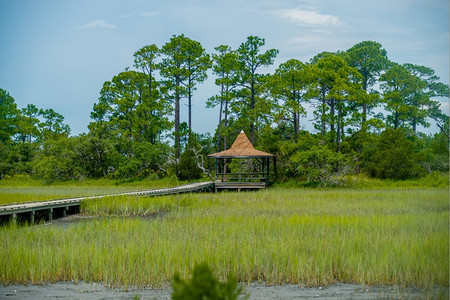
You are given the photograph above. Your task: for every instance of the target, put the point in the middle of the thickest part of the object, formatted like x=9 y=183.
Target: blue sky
x=58 y=53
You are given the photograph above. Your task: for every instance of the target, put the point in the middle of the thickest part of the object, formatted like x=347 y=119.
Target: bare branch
x=200 y=160
x=169 y=160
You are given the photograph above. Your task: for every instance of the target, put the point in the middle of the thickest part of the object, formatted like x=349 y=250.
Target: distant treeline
x=136 y=130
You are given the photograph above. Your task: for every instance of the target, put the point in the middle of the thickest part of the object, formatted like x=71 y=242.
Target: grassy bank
x=311 y=237
x=361 y=181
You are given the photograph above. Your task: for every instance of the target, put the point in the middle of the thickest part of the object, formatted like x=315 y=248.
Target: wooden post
x=32 y=217
x=224 y=169
x=14 y=218
x=275 y=167
x=217 y=168
x=50 y=214
x=65 y=209
x=263 y=169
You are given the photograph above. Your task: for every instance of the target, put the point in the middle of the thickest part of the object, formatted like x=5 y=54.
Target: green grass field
x=394 y=236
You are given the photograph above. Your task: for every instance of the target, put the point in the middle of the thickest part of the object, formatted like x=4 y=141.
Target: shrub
x=393 y=157
x=310 y=158
x=187 y=168
x=56 y=161
x=203 y=285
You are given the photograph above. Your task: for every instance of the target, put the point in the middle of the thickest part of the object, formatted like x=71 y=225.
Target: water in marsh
x=339 y=291
x=77 y=218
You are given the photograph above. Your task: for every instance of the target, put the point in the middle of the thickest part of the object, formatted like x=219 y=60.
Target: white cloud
x=445 y=107
x=307 y=17
x=99 y=23
x=149 y=14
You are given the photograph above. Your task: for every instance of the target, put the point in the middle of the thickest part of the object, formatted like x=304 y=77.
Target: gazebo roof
x=241 y=148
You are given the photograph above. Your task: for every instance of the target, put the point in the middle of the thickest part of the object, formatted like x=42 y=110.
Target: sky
x=58 y=53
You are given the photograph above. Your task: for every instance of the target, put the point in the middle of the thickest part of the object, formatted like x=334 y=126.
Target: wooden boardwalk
x=60 y=207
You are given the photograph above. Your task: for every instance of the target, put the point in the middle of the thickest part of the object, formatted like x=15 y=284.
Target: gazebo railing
x=242 y=177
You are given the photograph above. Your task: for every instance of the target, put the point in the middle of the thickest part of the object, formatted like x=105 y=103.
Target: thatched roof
x=241 y=148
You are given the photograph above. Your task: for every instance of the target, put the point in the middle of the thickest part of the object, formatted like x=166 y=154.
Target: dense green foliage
x=187 y=168
x=393 y=157
x=203 y=285
x=366 y=113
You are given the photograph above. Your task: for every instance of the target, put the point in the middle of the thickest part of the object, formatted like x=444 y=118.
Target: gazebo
x=242 y=166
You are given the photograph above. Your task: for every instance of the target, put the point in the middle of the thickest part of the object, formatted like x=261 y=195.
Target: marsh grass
x=300 y=236
x=361 y=181
x=133 y=205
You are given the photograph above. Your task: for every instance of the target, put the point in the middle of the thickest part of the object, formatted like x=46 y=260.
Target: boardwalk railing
x=242 y=177
x=61 y=207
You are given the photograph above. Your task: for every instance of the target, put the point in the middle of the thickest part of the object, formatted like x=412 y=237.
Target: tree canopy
x=367 y=113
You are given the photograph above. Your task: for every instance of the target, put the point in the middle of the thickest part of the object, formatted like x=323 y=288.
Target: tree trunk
x=252 y=108
x=225 y=126
x=296 y=121
x=414 y=118
x=364 y=116
x=297 y=118
x=396 y=120
x=177 y=118
x=364 y=113
x=332 y=113
x=190 y=105
x=225 y=123
x=323 y=114
x=152 y=135
x=338 y=138
x=150 y=84
x=219 y=131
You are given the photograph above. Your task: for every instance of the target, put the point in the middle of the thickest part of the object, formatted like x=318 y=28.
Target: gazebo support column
x=217 y=169
x=275 y=167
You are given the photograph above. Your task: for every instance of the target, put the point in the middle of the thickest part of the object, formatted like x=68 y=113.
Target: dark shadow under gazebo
x=242 y=166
